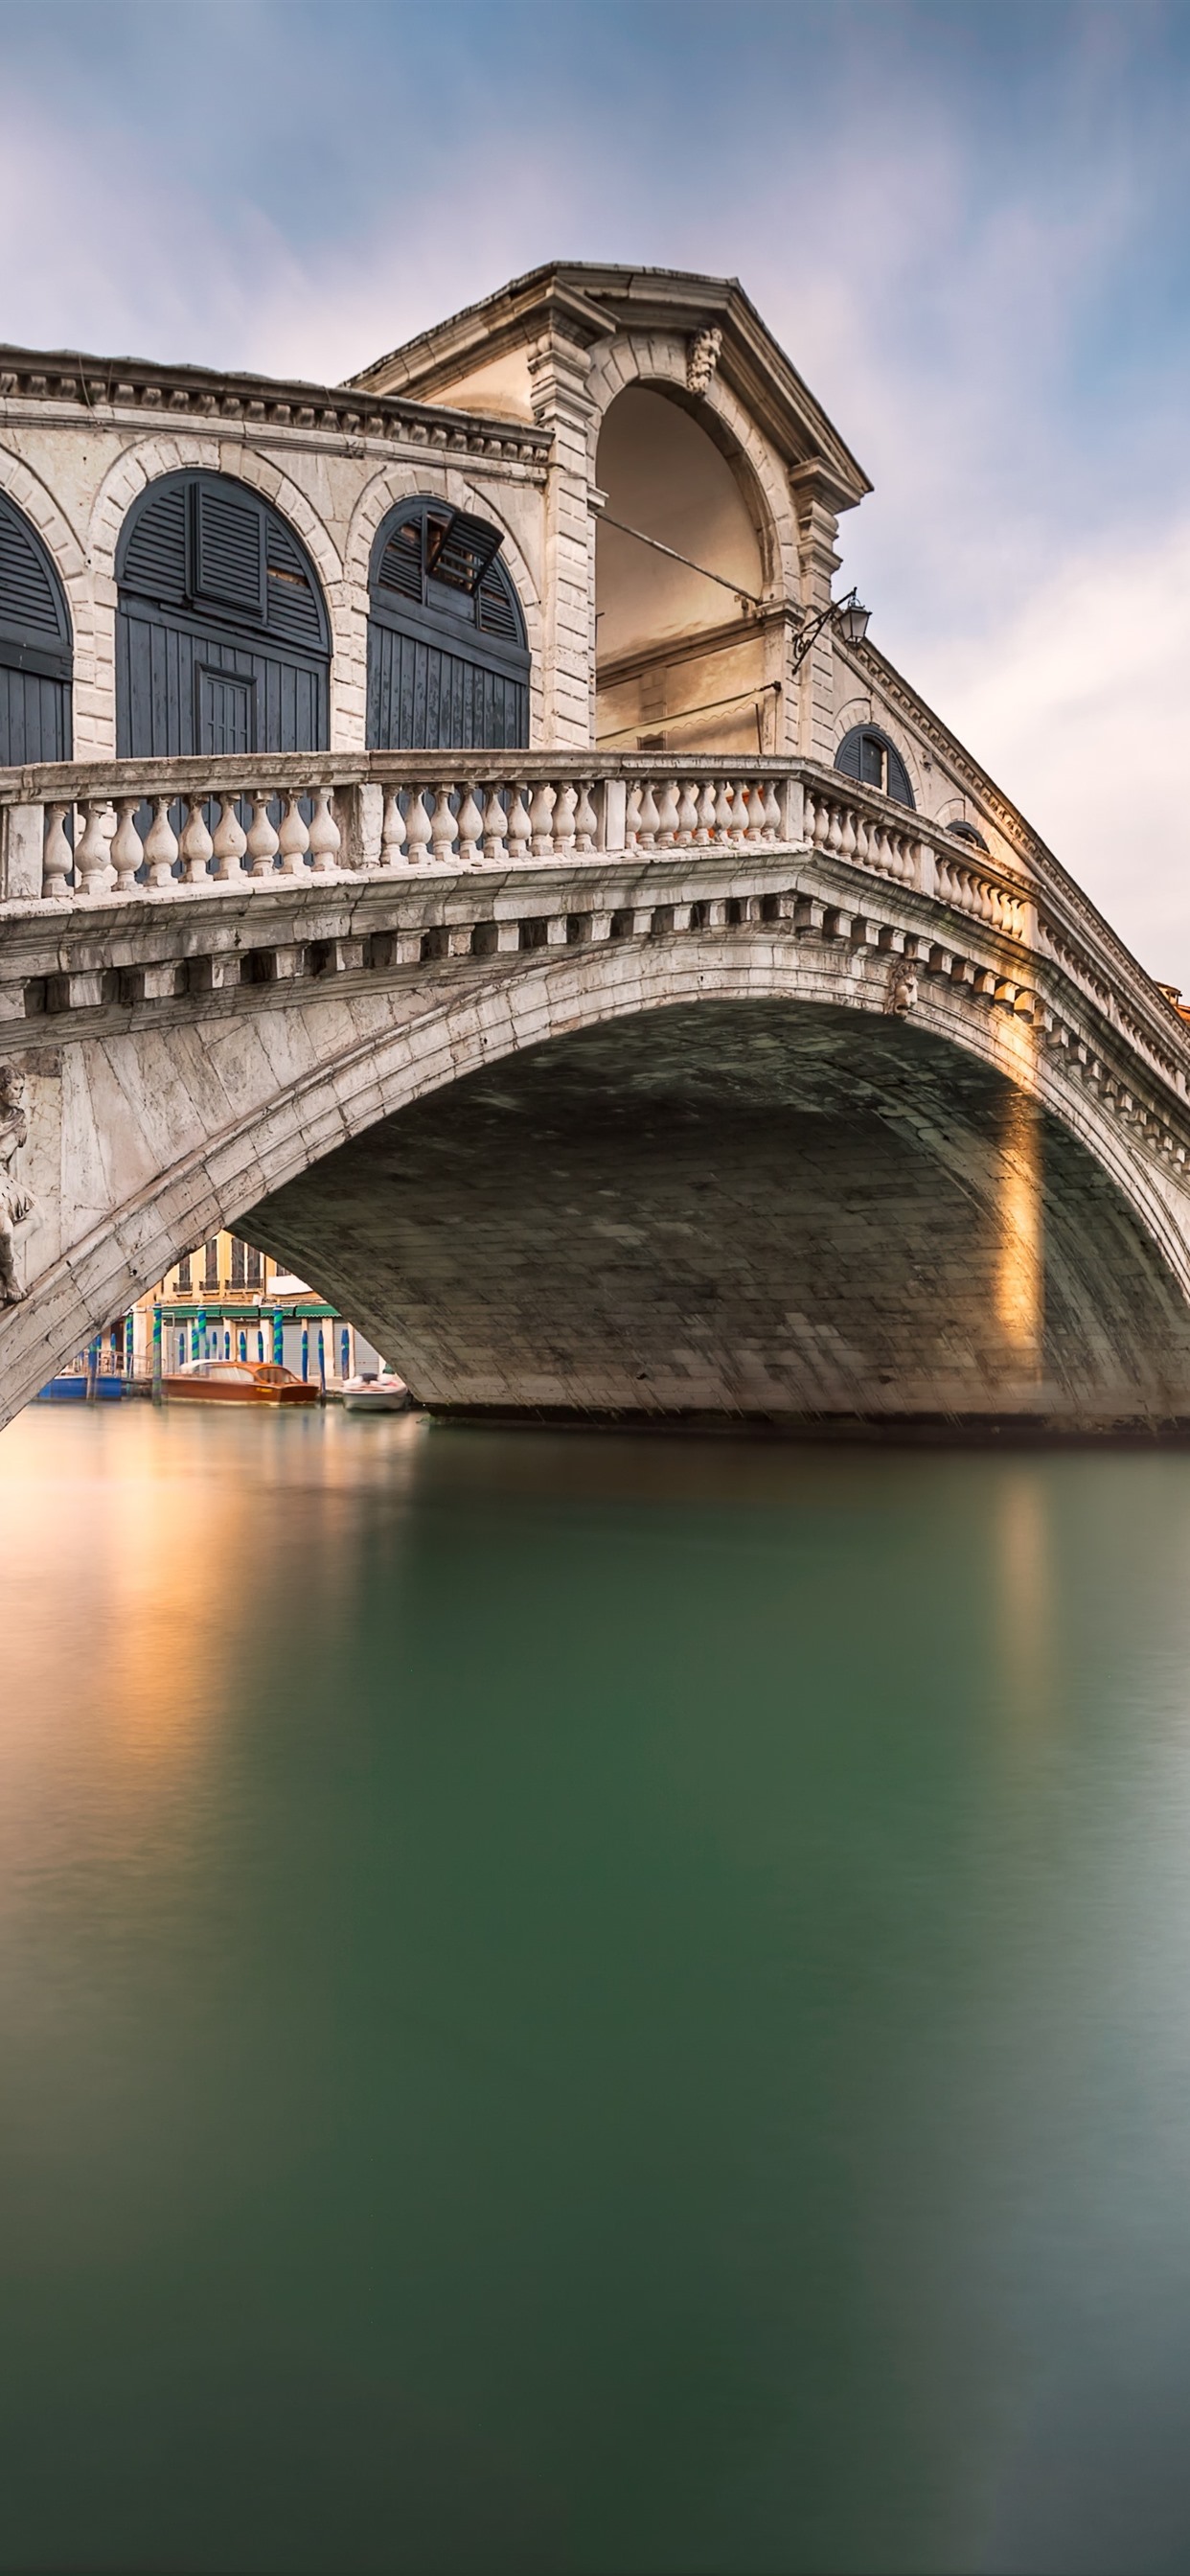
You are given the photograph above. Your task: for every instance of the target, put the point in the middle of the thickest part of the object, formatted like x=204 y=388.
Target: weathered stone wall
x=742 y=1210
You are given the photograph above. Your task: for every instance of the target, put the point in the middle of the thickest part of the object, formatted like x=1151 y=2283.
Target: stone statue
x=18 y=1206
x=702 y=358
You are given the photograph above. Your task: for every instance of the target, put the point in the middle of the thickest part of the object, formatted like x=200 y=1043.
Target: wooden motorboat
x=237 y=1382
x=375 y=1395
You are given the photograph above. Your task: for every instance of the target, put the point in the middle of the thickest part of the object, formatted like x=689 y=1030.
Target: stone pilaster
x=559 y=372
x=813 y=691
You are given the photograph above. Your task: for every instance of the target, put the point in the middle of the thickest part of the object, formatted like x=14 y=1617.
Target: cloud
x=967 y=225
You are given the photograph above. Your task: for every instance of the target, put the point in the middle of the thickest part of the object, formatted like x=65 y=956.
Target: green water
x=590 y=2004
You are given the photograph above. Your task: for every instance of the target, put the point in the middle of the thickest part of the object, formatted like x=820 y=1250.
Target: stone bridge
x=595 y=1088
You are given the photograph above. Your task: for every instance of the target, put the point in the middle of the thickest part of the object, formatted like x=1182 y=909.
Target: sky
x=968 y=222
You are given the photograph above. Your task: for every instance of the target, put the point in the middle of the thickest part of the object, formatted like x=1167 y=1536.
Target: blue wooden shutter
x=229 y=552
x=898 y=778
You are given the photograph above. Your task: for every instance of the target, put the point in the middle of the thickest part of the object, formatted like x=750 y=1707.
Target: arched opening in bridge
x=36 y=662
x=222 y=638
x=742 y=1210
x=682 y=561
x=448 y=657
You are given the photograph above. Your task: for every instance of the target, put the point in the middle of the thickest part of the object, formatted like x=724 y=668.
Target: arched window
x=964 y=831
x=222 y=642
x=35 y=656
x=448 y=660
x=867 y=754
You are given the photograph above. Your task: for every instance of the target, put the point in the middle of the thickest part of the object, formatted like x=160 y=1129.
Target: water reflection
x=591 y=2004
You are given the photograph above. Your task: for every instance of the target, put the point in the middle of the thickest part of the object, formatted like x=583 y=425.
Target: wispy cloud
x=966 y=222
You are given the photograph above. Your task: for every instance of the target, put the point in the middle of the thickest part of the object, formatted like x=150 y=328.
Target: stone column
x=561 y=402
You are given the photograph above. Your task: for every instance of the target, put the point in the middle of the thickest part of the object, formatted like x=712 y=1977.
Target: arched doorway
x=36 y=662
x=222 y=641
x=680 y=576
x=448 y=657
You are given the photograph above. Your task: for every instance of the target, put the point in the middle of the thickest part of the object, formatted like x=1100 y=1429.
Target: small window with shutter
x=867 y=754
x=228 y=549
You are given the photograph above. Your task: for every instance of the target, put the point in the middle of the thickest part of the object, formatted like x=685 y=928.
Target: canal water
x=590 y=2003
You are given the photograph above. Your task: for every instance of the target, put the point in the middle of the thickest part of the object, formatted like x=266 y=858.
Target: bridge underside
x=769 y=1211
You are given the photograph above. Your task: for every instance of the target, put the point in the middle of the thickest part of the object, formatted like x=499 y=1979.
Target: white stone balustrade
x=125 y=838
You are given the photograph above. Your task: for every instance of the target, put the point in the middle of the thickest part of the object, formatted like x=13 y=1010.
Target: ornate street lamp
x=847 y=614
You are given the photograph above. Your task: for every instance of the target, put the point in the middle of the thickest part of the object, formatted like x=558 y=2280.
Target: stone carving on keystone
x=902 y=990
x=703 y=360
x=18 y=1207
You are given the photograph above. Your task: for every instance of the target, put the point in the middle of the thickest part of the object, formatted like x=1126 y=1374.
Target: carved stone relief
x=702 y=358
x=18 y=1207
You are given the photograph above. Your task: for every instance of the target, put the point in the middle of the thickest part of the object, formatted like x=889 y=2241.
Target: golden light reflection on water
x=144 y=1558
x=1024 y=1598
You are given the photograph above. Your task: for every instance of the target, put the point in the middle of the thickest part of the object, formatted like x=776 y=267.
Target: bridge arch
x=695 y=550
x=245 y=1135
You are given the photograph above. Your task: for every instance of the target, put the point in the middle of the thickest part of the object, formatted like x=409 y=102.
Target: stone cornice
x=107 y=390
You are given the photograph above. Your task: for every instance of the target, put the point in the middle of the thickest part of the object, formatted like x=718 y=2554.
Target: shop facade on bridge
x=598 y=509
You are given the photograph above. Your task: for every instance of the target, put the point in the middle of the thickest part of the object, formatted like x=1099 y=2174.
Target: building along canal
x=590 y=2003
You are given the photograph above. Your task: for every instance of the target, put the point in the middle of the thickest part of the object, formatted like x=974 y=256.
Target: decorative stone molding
x=111 y=389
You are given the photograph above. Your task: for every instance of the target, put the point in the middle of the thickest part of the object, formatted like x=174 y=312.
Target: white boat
x=375 y=1394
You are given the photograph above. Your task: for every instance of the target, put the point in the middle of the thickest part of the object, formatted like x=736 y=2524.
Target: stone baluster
x=648 y=817
x=392 y=829
x=723 y=811
x=565 y=803
x=470 y=828
x=518 y=825
x=755 y=812
x=541 y=808
x=704 y=830
x=262 y=844
x=92 y=859
x=418 y=829
x=819 y=813
x=127 y=846
x=442 y=826
x=325 y=837
x=161 y=848
x=57 y=858
x=847 y=842
x=772 y=813
x=739 y=813
x=863 y=840
x=586 y=821
x=196 y=845
x=632 y=815
x=293 y=838
x=493 y=827
x=229 y=843
x=667 y=815
x=834 y=831
x=687 y=829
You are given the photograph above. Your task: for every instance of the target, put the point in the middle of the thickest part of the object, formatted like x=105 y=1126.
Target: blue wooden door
x=222 y=639
x=448 y=661
x=35 y=647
